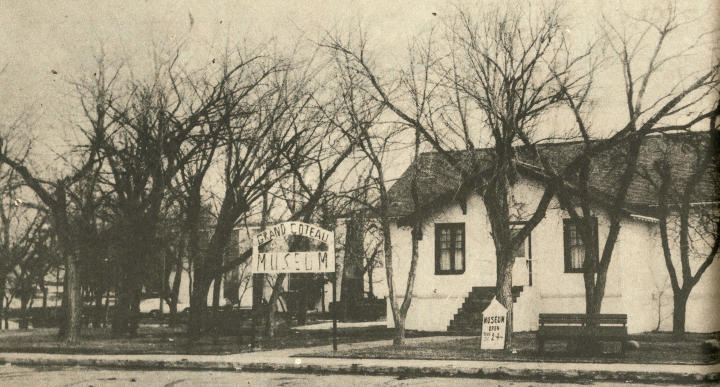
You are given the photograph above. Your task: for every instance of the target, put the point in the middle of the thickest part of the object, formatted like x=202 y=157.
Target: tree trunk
x=217 y=283
x=371 y=291
x=62 y=331
x=589 y=281
x=121 y=314
x=598 y=293
x=598 y=290
x=399 y=338
x=99 y=310
x=271 y=307
x=135 y=297
x=119 y=318
x=198 y=304
x=258 y=309
x=306 y=287
x=44 y=290
x=107 y=307
x=137 y=240
x=590 y=305
x=352 y=288
x=503 y=285
x=2 y=301
x=398 y=316
x=207 y=264
x=175 y=293
x=7 y=307
x=24 y=321
x=495 y=199
x=74 y=310
x=679 y=308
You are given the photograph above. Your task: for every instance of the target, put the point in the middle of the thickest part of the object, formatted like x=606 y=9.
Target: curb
x=545 y=373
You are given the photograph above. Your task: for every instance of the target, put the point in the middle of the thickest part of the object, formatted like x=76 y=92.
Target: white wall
x=635 y=278
x=436 y=298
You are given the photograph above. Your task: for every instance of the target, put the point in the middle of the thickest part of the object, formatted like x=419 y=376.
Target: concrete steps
x=468 y=319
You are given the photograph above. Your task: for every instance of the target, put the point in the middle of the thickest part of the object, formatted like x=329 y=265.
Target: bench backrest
x=607 y=319
x=562 y=318
x=582 y=319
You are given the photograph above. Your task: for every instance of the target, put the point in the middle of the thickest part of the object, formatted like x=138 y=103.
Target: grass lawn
x=165 y=340
x=654 y=348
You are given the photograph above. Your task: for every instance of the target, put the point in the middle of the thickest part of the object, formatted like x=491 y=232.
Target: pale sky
x=41 y=38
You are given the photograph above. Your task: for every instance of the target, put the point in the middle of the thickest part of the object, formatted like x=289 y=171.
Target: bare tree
x=53 y=194
x=263 y=131
x=174 y=241
x=317 y=159
x=310 y=154
x=13 y=240
x=688 y=224
x=489 y=80
x=153 y=130
x=652 y=107
x=358 y=116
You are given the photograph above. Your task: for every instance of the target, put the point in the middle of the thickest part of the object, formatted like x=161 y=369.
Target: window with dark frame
x=449 y=248
x=575 y=250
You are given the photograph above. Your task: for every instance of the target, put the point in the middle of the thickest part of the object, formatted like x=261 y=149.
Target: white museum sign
x=494 y=320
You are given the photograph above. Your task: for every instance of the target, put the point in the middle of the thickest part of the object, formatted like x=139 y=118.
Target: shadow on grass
x=655 y=348
x=166 y=340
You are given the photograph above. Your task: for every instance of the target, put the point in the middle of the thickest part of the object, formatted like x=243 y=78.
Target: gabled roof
x=439 y=182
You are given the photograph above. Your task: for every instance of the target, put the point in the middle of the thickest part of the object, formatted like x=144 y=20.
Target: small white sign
x=494 y=321
x=294 y=262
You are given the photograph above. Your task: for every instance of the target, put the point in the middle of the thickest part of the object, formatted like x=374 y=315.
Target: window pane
x=574 y=236
x=444 y=259
x=577 y=257
x=459 y=260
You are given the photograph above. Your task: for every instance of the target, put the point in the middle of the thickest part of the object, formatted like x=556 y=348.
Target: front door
x=522 y=270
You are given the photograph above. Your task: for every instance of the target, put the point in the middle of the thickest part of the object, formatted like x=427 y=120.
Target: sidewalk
x=327 y=325
x=284 y=361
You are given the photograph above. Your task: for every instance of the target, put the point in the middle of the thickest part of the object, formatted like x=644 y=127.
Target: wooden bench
x=582 y=329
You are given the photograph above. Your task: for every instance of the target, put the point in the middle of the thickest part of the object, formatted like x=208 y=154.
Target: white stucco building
x=457 y=256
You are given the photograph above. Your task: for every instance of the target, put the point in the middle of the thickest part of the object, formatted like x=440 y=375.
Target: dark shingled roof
x=439 y=182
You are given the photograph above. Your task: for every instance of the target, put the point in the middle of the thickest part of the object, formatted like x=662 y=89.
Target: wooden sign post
x=274 y=262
